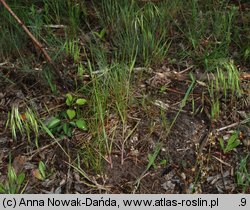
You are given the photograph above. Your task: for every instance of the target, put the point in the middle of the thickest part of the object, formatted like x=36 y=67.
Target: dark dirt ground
x=194 y=161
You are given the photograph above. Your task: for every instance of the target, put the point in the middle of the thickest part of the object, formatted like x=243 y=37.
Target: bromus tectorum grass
x=13 y=183
x=225 y=83
x=25 y=123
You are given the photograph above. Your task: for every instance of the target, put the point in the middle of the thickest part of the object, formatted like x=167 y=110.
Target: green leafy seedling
x=163 y=162
x=40 y=173
x=67 y=129
x=232 y=143
x=69 y=99
x=68 y=119
x=71 y=114
x=42 y=169
x=81 y=101
x=81 y=124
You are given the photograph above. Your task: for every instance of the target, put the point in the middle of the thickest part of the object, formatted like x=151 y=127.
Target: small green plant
x=42 y=169
x=40 y=173
x=151 y=162
x=242 y=175
x=231 y=144
x=72 y=49
x=152 y=157
x=100 y=35
x=68 y=119
x=164 y=162
x=14 y=182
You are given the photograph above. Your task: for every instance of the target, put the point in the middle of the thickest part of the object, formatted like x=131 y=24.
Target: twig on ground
x=221 y=161
x=34 y=40
x=233 y=125
x=187 y=69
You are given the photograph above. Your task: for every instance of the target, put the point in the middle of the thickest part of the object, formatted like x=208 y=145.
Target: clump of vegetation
x=68 y=119
x=137 y=30
x=231 y=144
x=243 y=175
x=25 y=123
x=14 y=182
x=224 y=84
x=128 y=58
